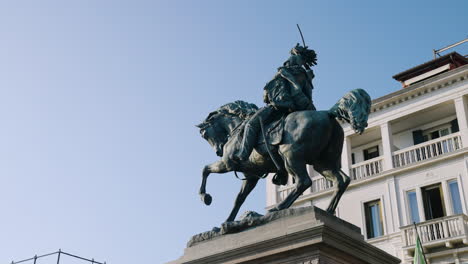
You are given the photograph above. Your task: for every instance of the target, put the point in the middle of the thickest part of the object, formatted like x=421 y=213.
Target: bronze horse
x=309 y=137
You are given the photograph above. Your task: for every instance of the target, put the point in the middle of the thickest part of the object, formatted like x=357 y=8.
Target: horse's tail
x=354 y=108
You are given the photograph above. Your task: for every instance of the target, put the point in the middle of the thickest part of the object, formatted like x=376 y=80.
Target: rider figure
x=290 y=90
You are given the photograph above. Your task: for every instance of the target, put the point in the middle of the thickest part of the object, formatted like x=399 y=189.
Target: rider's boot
x=247 y=144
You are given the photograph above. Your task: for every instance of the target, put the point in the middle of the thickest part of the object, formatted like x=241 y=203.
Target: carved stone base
x=306 y=235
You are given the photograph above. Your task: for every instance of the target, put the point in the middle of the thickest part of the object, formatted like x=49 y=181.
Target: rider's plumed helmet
x=309 y=56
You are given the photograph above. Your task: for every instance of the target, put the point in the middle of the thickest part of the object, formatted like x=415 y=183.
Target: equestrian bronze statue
x=285 y=135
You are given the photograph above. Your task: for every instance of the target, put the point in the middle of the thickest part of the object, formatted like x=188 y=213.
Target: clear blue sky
x=99 y=154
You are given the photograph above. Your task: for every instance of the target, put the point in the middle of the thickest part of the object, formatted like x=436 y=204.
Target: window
x=371 y=153
x=433 y=201
x=413 y=207
x=373 y=214
x=353 y=159
x=420 y=136
x=455 y=196
x=444 y=132
x=437 y=132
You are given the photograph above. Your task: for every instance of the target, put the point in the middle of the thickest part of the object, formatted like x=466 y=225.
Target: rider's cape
x=280 y=92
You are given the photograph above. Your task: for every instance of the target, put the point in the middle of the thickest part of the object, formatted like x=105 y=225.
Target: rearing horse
x=310 y=137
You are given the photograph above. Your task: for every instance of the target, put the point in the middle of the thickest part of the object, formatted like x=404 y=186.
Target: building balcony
x=407 y=156
x=446 y=231
x=318 y=185
x=373 y=167
x=367 y=168
x=424 y=151
x=407 y=139
x=427 y=150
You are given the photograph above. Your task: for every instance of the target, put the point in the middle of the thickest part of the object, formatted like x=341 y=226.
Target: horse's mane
x=354 y=107
x=237 y=108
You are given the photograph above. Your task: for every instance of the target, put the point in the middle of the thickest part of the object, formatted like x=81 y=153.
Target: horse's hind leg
x=216 y=167
x=341 y=180
x=298 y=170
x=247 y=186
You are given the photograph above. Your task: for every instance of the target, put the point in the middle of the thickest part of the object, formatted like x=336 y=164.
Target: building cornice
x=440 y=81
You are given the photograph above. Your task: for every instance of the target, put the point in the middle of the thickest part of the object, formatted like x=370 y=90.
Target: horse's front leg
x=247 y=186
x=216 y=167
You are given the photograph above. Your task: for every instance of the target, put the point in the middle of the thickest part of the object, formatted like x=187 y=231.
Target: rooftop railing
x=60 y=259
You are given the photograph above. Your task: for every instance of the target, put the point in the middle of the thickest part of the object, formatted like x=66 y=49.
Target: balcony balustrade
x=446 y=230
x=321 y=184
x=318 y=185
x=283 y=191
x=400 y=158
x=427 y=150
x=367 y=168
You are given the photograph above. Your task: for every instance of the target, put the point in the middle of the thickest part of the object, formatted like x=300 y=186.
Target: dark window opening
x=418 y=137
x=353 y=159
x=371 y=153
x=435 y=134
x=454 y=126
x=433 y=202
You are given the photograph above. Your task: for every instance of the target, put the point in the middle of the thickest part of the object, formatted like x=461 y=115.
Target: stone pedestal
x=298 y=236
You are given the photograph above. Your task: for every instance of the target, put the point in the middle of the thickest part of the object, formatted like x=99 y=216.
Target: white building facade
x=409 y=166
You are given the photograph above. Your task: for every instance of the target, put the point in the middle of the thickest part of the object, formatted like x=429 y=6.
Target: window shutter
x=366 y=154
x=418 y=137
x=454 y=124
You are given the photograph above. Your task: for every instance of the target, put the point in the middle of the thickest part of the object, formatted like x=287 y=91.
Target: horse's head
x=354 y=107
x=221 y=122
x=214 y=131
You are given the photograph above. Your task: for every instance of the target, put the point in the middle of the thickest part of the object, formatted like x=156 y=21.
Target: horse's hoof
x=206 y=198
